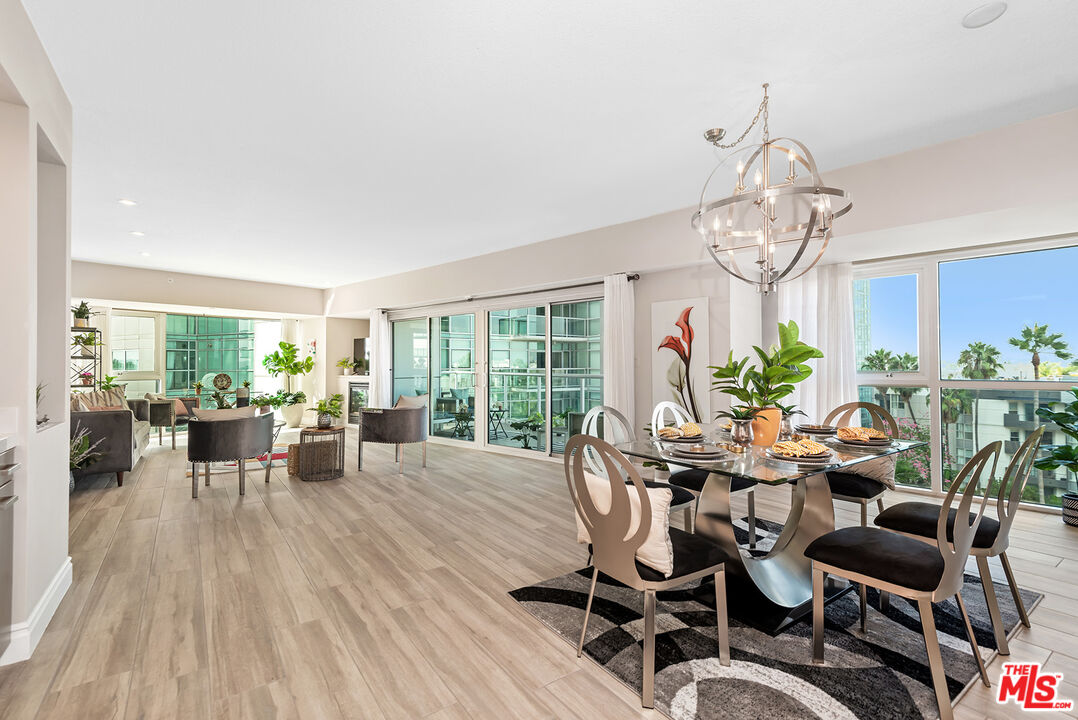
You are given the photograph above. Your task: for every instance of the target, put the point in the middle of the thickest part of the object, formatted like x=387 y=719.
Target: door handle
x=7 y=502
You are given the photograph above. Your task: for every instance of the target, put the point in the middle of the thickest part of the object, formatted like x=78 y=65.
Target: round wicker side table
x=321 y=453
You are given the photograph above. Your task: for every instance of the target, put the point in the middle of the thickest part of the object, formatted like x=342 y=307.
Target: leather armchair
x=396 y=426
x=226 y=440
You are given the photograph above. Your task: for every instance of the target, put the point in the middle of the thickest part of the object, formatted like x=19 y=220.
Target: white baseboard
x=23 y=637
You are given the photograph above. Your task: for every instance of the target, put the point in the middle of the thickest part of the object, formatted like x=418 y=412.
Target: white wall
x=35 y=305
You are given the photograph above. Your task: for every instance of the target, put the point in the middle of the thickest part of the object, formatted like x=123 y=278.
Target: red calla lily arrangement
x=683 y=347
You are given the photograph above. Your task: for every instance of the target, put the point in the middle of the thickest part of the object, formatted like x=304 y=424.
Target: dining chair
x=695 y=557
x=907 y=567
x=693 y=479
x=917 y=520
x=850 y=487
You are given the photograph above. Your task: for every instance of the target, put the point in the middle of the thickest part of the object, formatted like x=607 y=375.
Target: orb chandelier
x=785 y=224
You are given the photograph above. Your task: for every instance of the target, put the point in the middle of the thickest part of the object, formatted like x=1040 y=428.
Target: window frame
x=927 y=269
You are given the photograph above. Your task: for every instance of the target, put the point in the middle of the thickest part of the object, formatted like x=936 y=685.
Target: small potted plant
x=527 y=429
x=198 y=388
x=328 y=409
x=786 y=426
x=244 y=390
x=82 y=453
x=87 y=378
x=346 y=365
x=291 y=405
x=109 y=383
x=81 y=313
x=741 y=417
x=83 y=342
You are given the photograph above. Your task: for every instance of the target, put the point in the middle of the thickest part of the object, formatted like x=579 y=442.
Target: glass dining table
x=772 y=590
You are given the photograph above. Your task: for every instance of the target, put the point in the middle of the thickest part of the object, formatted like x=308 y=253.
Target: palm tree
x=979 y=361
x=886 y=361
x=953 y=404
x=1036 y=340
x=879 y=361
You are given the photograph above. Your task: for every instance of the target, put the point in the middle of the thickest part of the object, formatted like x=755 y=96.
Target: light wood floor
x=375 y=596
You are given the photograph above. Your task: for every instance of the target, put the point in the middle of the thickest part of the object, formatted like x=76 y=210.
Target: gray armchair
x=162 y=414
x=395 y=426
x=224 y=440
x=124 y=436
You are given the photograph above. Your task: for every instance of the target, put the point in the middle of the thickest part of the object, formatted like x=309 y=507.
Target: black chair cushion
x=694 y=480
x=857 y=486
x=692 y=553
x=880 y=554
x=920 y=518
x=681 y=496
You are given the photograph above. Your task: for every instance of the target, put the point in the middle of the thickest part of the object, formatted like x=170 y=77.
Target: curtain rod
x=498 y=295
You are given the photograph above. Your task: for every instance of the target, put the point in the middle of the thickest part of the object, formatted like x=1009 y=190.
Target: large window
x=997 y=337
x=198 y=347
x=132 y=342
x=517 y=402
x=411 y=348
x=576 y=371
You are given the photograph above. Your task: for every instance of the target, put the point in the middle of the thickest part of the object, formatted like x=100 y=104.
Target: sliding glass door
x=517 y=408
x=576 y=371
x=452 y=377
x=411 y=348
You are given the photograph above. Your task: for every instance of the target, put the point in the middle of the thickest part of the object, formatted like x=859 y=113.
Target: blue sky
x=985 y=299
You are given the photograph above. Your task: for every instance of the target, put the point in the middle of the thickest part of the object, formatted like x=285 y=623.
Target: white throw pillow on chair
x=224 y=413
x=657 y=552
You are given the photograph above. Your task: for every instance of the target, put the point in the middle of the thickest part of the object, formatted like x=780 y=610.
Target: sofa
x=122 y=426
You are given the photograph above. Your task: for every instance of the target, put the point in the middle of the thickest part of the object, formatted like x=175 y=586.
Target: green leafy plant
x=527 y=429
x=330 y=406
x=291 y=398
x=246 y=383
x=222 y=402
x=345 y=363
x=82 y=450
x=1065 y=456
x=286 y=362
x=85 y=340
x=790 y=410
x=264 y=400
x=108 y=383
x=783 y=366
x=739 y=412
x=197 y=386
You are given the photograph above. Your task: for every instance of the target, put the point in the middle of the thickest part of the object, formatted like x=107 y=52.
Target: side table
x=321 y=453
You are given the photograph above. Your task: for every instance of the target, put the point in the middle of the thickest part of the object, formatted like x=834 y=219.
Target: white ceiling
x=325 y=143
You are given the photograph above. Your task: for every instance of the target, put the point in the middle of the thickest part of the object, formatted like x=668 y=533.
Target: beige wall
x=35 y=124
x=118 y=284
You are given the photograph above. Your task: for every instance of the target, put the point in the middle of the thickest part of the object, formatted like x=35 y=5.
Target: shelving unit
x=80 y=363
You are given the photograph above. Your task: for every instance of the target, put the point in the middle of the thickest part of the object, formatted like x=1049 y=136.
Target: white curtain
x=619 y=328
x=381 y=360
x=821 y=303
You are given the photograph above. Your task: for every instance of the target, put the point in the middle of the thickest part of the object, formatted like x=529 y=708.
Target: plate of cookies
x=802 y=452
x=870 y=437
x=690 y=432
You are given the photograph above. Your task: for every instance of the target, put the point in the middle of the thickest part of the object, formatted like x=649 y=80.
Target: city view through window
x=1003 y=355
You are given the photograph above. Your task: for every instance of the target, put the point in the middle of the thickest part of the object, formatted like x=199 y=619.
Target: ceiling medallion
x=786 y=223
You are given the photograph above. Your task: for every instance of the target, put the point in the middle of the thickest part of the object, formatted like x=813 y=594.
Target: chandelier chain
x=760 y=112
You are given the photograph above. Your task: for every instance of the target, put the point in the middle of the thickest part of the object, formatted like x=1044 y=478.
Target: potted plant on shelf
x=82 y=453
x=83 y=342
x=286 y=362
x=87 y=378
x=198 y=388
x=1064 y=456
x=328 y=409
x=244 y=390
x=346 y=365
x=81 y=314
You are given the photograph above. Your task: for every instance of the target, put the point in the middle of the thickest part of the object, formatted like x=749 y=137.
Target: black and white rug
x=884 y=675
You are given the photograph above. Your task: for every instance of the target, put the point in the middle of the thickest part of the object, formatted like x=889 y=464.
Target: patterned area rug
x=883 y=675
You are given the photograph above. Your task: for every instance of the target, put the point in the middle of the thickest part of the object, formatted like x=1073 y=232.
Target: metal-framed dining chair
x=695 y=557
x=693 y=479
x=608 y=424
x=910 y=568
x=849 y=487
x=917 y=520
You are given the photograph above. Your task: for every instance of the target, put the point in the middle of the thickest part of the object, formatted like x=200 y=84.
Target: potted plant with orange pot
x=761 y=387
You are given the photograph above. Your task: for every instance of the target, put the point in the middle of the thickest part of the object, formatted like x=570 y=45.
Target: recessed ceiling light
x=138 y=233
x=980 y=16
x=144 y=254
x=125 y=201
